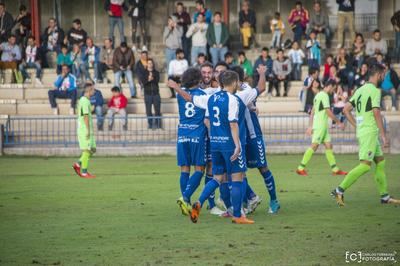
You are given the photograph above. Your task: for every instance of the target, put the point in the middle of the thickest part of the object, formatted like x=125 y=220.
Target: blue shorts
x=221 y=163
x=255 y=153
x=191 y=151
x=208 y=148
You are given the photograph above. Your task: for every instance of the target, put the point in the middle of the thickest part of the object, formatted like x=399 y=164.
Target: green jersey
x=364 y=100
x=84 y=108
x=321 y=103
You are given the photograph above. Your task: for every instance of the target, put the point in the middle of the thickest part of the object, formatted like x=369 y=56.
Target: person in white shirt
x=296 y=55
x=198 y=32
x=177 y=67
x=31 y=60
x=376 y=45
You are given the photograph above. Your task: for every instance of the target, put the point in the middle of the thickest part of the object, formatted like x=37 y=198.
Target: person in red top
x=298 y=20
x=117 y=105
x=114 y=8
x=327 y=66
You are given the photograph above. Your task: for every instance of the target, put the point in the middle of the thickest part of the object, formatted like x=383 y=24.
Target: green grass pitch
x=128 y=216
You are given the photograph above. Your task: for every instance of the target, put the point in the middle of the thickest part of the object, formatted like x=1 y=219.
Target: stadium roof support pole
x=35 y=20
x=225 y=8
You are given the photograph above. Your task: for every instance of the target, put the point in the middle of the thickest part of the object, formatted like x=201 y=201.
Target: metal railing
x=61 y=130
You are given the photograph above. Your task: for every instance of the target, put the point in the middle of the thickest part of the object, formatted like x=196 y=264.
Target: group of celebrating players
x=219 y=133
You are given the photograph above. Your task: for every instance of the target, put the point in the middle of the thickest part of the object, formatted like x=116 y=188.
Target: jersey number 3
x=217 y=122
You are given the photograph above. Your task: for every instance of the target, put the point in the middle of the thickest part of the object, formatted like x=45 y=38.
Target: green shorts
x=86 y=144
x=369 y=147
x=321 y=135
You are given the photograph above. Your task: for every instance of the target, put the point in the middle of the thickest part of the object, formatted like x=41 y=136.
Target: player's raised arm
x=262 y=81
x=347 y=112
x=177 y=88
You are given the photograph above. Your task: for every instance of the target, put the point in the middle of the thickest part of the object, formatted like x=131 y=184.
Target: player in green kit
x=319 y=128
x=366 y=101
x=86 y=139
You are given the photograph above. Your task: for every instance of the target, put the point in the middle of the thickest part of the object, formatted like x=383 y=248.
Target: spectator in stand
x=201 y=9
x=345 y=69
x=278 y=29
x=76 y=35
x=345 y=15
x=264 y=59
x=10 y=54
x=23 y=24
x=198 y=32
x=311 y=92
x=52 y=39
x=395 y=20
x=31 y=60
x=78 y=69
x=6 y=23
x=358 y=50
x=333 y=75
x=229 y=59
x=97 y=101
x=91 y=59
x=296 y=56
x=106 y=60
x=376 y=44
x=176 y=69
x=123 y=62
x=141 y=64
x=172 y=39
x=245 y=63
x=138 y=15
x=65 y=87
x=201 y=59
x=339 y=101
x=117 y=106
x=150 y=81
x=390 y=86
x=282 y=69
x=314 y=51
x=298 y=19
x=319 y=23
x=247 y=25
x=63 y=58
x=217 y=37
x=114 y=9
x=378 y=59
x=304 y=96
x=329 y=61
x=184 y=21
x=362 y=77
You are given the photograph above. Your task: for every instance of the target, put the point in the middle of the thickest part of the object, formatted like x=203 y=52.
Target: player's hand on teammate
x=236 y=153
x=309 y=131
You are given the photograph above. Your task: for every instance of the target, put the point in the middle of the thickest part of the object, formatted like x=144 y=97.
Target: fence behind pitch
x=61 y=130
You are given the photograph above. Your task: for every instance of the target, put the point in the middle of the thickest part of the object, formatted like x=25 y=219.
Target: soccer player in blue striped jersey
x=256 y=156
x=226 y=112
x=191 y=140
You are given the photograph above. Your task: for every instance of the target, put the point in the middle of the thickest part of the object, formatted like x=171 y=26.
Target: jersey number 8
x=189 y=110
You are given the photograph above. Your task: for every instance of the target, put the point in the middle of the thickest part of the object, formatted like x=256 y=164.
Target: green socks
x=380 y=178
x=354 y=174
x=331 y=160
x=85 y=160
x=306 y=158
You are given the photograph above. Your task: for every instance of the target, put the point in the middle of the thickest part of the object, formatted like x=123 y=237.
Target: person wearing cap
x=123 y=62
